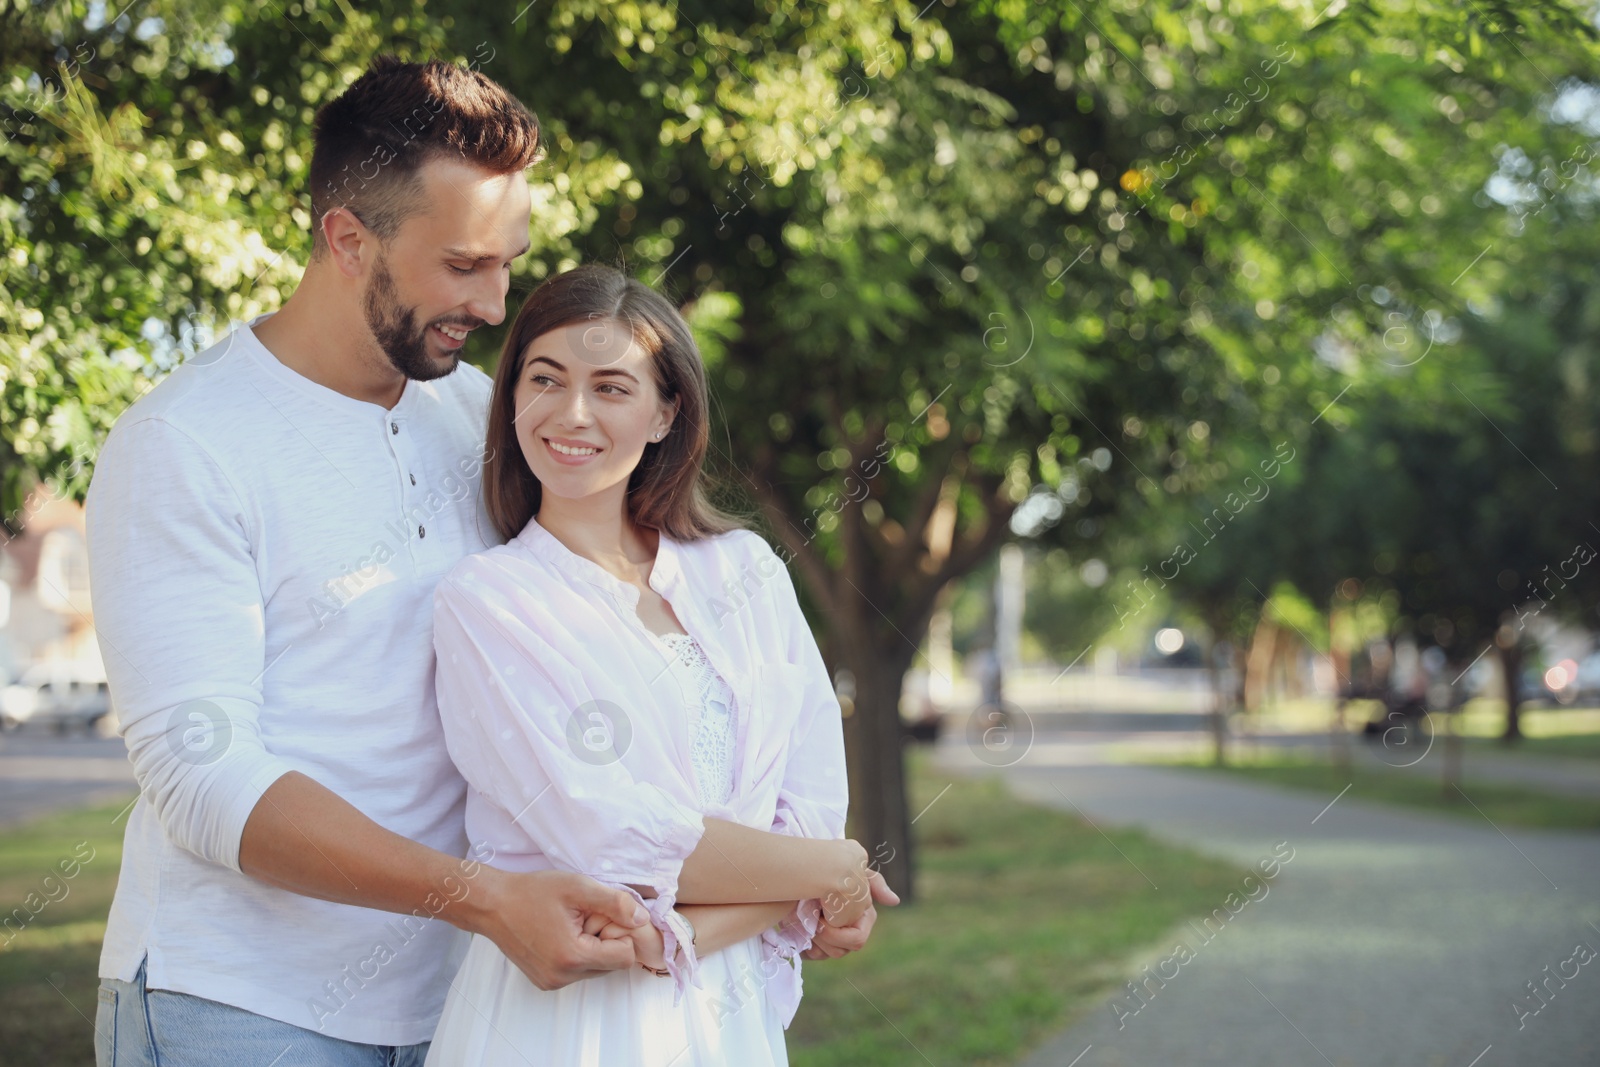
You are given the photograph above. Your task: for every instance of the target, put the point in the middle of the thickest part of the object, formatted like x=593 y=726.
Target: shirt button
x=422 y=531
x=394 y=427
x=413 y=479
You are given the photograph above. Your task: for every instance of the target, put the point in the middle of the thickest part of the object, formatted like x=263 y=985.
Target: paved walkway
x=41 y=773
x=1548 y=774
x=1425 y=757
x=1391 y=938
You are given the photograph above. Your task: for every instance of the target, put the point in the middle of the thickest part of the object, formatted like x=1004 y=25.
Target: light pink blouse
x=561 y=712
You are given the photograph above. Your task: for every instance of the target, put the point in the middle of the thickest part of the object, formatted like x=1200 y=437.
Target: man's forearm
x=737 y=864
x=304 y=837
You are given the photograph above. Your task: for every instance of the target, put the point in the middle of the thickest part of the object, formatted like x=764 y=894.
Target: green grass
x=1024 y=919
x=1567 y=746
x=1547 y=730
x=48 y=970
x=1502 y=804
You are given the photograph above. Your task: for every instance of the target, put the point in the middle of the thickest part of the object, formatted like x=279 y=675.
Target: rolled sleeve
x=814 y=797
x=179 y=619
x=683 y=963
x=510 y=727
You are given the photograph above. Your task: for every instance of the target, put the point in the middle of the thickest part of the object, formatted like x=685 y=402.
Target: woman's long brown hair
x=666 y=490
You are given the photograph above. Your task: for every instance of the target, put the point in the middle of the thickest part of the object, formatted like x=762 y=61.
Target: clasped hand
x=559 y=927
x=649 y=948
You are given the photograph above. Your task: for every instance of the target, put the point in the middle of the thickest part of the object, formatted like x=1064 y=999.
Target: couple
x=403 y=655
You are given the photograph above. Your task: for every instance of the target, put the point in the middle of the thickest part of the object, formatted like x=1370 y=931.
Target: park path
x=1569 y=776
x=1392 y=937
x=1548 y=774
x=41 y=773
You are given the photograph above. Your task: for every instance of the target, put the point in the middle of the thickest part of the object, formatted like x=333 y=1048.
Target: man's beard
x=395 y=327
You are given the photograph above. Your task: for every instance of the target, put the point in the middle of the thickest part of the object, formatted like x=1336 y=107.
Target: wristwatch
x=687 y=925
x=684 y=919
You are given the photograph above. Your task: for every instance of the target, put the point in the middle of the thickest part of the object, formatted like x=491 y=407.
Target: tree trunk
x=879 y=600
x=1343 y=688
x=1219 y=729
x=1340 y=736
x=878 y=815
x=1258 y=662
x=1220 y=701
x=1452 y=756
x=1511 y=665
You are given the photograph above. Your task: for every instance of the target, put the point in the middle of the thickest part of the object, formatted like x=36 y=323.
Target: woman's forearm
x=716 y=926
x=737 y=864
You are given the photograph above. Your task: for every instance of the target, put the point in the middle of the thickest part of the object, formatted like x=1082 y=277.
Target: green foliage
x=151 y=174
x=966 y=272
x=980 y=238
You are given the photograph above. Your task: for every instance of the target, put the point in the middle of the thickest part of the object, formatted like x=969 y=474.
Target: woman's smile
x=570 y=452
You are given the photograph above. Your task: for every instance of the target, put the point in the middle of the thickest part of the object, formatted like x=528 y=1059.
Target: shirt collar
x=547 y=546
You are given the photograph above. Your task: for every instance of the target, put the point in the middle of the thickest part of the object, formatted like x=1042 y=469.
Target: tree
x=963 y=273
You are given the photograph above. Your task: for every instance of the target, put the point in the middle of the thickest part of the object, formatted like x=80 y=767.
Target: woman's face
x=586 y=407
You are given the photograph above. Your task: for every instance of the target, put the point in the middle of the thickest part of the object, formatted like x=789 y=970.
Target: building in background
x=45 y=616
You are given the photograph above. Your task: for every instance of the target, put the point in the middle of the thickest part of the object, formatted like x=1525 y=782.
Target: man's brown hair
x=371 y=140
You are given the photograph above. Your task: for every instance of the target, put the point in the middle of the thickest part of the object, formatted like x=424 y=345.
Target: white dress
x=495 y=1017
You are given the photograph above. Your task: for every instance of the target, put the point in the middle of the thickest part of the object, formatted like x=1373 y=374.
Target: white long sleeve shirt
x=263 y=552
x=575 y=736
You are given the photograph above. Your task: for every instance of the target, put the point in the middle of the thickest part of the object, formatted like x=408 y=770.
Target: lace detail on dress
x=713 y=727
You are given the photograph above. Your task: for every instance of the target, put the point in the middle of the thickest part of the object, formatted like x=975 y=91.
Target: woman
x=632 y=692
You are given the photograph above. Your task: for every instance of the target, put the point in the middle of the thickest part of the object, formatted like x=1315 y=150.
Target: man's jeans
x=136 y=1027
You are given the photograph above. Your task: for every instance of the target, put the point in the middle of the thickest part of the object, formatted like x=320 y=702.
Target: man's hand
x=649 y=948
x=831 y=942
x=536 y=918
x=544 y=922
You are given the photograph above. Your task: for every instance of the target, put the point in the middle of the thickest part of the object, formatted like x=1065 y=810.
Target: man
x=266 y=528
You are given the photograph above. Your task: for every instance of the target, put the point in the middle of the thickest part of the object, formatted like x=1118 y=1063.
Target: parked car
x=61 y=696
x=1537 y=690
x=1589 y=678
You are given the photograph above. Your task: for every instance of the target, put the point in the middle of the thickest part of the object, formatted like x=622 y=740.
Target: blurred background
x=1181 y=419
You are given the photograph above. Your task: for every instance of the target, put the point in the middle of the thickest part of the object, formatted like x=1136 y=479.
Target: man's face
x=447 y=270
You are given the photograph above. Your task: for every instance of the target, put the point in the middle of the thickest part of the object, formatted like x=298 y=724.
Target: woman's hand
x=855 y=883
x=830 y=942
x=648 y=946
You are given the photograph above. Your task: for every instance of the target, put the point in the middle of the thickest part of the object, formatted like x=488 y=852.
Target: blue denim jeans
x=139 y=1027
